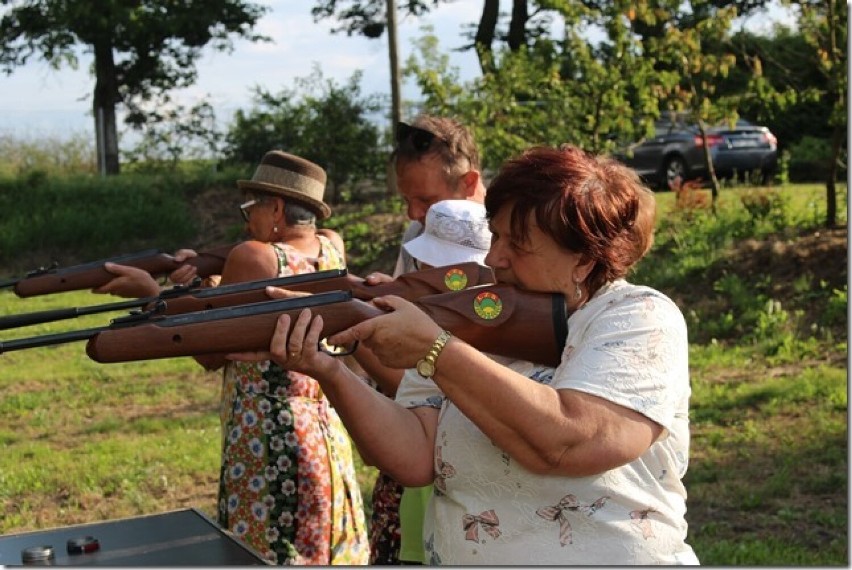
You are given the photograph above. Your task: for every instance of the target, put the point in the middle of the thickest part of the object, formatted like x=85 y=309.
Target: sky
x=37 y=101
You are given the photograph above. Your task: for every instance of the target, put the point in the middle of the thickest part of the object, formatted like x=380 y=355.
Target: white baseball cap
x=456 y=231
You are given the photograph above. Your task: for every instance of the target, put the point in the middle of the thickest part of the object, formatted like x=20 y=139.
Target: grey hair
x=296 y=214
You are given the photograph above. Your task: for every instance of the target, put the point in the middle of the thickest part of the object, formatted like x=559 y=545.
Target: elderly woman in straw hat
x=287 y=484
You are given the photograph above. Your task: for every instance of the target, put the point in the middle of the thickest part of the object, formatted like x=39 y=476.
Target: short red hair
x=591 y=205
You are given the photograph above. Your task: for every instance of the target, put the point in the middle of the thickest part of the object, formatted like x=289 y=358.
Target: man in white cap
x=435 y=159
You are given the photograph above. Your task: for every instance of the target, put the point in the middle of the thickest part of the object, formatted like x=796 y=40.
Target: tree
x=173 y=133
x=823 y=24
x=141 y=49
x=527 y=21
x=317 y=119
x=684 y=51
x=594 y=94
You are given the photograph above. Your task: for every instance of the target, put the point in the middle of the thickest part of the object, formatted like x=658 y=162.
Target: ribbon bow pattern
x=643 y=521
x=487 y=519
x=445 y=471
x=557 y=513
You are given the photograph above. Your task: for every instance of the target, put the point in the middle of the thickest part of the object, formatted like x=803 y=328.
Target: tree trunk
x=518 y=25
x=837 y=134
x=711 y=169
x=830 y=189
x=485 y=35
x=103 y=108
x=396 y=103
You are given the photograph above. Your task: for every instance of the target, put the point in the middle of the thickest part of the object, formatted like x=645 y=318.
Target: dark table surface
x=178 y=538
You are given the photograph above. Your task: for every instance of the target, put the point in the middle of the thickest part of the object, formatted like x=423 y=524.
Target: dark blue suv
x=675 y=150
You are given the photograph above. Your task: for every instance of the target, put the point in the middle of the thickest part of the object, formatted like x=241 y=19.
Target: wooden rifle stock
x=500 y=319
x=191 y=298
x=493 y=318
x=229 y=329
x=89 y=275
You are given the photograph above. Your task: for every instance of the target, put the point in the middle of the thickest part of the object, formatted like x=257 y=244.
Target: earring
x=578 y=293
x=275 y=229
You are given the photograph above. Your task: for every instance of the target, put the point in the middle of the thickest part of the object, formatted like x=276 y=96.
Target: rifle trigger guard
x=337 y=350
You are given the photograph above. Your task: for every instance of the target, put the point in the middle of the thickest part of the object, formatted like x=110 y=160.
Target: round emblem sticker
x=455 y=279
x=487 y=305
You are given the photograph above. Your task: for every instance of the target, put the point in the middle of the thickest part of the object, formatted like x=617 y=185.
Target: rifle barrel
x=49 y=339
x=50 y=315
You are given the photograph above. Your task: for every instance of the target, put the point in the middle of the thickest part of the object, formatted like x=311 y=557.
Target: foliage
x=766 y=205
x=824 y=28
x=545 y=93
x=365 y=17
x=367 y=245
x=318 y=120
x=810 y=157
x=786 y=96
x=173 y=133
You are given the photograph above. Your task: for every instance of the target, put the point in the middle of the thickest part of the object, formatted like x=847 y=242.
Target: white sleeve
x=630 y=348
x=414 y=391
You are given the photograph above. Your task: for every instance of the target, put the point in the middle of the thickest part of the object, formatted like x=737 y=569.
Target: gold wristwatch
x=426 y=365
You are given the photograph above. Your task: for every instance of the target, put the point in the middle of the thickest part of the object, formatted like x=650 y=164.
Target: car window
x=662 y=127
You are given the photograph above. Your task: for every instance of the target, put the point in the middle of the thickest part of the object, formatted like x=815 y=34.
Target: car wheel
x=675 y=168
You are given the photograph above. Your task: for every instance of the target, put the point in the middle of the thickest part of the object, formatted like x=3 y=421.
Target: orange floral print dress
x=287 y=485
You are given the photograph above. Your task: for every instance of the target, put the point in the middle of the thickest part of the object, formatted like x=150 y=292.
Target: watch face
x=425 y=368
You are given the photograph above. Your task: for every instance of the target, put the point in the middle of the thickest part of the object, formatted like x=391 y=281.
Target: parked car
x=676 y=150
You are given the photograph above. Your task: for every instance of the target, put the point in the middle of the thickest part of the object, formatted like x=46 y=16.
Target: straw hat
x=456 y=231
x=290 y=176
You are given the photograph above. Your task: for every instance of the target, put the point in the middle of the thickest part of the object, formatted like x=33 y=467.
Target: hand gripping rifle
x=498 y=319
x=190 y=298
x=55 y=279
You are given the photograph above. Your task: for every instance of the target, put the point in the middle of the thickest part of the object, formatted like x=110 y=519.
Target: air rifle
x=55 y=279
x=191 y=298
x=498 y=319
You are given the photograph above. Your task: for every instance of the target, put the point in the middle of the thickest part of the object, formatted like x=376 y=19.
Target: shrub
x=809 y=160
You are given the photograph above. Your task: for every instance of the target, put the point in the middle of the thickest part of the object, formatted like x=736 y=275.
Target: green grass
x=767 y=479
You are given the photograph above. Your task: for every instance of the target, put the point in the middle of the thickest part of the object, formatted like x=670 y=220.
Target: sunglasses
x=245 y=206
x=420 y=139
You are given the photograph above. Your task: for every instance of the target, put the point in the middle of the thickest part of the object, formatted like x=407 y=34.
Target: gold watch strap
x=439 y=344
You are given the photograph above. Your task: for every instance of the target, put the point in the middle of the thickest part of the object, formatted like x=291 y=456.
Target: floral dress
x=287 y=483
